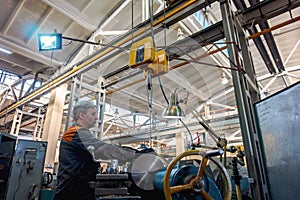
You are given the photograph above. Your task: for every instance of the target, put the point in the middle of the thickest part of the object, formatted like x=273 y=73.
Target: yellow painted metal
x=187 y=4
x=142 y=52
x=160 y=65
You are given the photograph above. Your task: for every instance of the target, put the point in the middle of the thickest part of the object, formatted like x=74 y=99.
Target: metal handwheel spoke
x=205 y=195
x=179 y=188
x=202 y=169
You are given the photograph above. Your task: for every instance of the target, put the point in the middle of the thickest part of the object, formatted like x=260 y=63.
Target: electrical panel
x=141 y=53
x=7 y=149
x=27 y=170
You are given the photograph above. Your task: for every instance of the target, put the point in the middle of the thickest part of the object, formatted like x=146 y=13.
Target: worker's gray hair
x=82 y=107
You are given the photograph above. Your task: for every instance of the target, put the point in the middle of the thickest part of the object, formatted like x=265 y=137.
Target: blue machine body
x=180 y=176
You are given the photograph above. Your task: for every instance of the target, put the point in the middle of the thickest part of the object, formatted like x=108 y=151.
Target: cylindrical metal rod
x=255 y=35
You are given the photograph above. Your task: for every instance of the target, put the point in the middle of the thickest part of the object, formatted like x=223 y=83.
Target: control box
x=141 y=53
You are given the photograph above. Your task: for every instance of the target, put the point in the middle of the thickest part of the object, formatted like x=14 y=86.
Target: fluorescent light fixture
x=5 y=51
x=48 y=42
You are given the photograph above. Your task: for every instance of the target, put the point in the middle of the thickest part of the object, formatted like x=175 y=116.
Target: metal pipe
x=121 y=79
x=125 y=86
x=255 y=35
x=199 y=57
x=106 y=76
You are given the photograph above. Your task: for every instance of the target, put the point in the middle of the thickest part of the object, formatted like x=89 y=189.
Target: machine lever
x=214 y=153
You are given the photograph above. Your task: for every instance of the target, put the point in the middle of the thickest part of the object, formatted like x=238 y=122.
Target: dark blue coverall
x=77 y=166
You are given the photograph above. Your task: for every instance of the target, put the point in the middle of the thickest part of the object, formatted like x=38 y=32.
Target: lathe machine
x=191 y=175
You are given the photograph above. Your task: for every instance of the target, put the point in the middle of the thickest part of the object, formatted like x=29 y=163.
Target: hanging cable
x=51 y=59
x=149 y=89
x=162 y=90
x=131 y=21
x=165 y=28
x=151 y=18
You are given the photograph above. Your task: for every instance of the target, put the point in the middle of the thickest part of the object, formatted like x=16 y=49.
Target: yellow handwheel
x=195 y=184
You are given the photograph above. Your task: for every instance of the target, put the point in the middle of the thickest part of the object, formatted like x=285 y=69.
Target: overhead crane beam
x=200 y=39
x=171 y=15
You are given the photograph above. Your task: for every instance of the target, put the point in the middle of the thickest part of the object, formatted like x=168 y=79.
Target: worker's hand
x=129 y=149
x=146 y=150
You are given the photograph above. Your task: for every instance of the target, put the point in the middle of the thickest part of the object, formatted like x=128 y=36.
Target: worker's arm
x=104 y=150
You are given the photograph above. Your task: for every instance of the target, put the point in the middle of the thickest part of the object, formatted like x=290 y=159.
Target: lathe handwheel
x=195 y=185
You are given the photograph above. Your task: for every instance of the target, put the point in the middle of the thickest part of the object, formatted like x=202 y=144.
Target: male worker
x=76 y=164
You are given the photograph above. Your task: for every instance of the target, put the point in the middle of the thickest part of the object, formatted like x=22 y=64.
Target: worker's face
x=89 y=118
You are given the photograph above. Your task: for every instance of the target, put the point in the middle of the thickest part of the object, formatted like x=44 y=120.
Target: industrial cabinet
x=27 y=170
x=7 y=149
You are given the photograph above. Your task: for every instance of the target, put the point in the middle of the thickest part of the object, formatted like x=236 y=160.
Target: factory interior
x=203 y=91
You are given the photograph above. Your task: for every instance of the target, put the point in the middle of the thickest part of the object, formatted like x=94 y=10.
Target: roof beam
x=257 y=40
x=291 y=53
x=70 y=11
x=41 y=22
x=265 y=10
x=18 y=62
x=288 y=69
x=13 y=16
x=85 y=48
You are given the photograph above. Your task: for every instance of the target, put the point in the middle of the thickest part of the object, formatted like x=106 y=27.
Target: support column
x=100 y=101
x=74 y=97
x=53 y=121
x=179 y=143
x=38 y=126
x=16 y=123
x=245 y=93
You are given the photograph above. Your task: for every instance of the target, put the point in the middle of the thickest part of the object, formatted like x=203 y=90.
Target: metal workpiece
x=278 y=120
x=144 y=168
